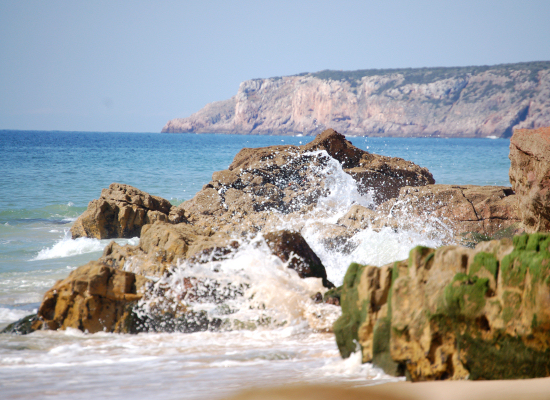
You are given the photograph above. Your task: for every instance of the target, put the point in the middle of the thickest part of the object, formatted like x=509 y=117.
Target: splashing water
x=252 y=289
x=68 y=247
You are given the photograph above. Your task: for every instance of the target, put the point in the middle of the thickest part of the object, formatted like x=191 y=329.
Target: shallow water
x=47 y=179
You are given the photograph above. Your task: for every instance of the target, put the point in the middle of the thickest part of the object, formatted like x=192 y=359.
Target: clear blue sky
x=133 y=65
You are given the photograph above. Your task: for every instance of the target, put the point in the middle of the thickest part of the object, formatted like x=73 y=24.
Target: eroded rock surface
x=291 y=179
x=453 y=312
x=530 y=176
x=121 y=211
x=93 y=298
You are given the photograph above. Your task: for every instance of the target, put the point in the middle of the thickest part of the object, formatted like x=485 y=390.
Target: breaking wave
x=68 y=247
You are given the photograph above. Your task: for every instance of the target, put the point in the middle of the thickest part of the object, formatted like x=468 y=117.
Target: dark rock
x=291 y=247
x=21 y=327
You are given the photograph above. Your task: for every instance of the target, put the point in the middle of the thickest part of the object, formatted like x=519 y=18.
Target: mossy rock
x=21 y=327
x=346 y=327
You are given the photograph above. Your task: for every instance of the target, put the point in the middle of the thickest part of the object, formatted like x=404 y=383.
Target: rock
x=457 y=210
x=121 y=211
x=453 y=312
x=21 y=327
x=530 y=176
x=93 y=298
x=291 y=179
x=382 y=176
x=291 y=247
x=162 y=245
x=441 y=102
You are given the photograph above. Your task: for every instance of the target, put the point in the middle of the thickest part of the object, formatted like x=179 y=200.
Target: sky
x=130 y=66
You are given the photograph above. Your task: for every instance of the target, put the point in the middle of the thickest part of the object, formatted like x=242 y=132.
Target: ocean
x=47 y=180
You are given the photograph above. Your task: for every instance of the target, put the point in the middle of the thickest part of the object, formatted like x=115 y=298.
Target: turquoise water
x=47 y=180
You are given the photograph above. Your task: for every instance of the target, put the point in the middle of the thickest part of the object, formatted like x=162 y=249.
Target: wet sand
x=528 y=389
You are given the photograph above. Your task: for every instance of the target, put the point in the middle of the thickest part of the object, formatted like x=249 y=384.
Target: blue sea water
x=48 y=178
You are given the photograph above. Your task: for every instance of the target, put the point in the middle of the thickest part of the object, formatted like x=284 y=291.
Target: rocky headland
x=425 y=102
x=468 y=309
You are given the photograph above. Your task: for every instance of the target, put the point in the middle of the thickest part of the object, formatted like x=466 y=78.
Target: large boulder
x=530 y=176
x=453 y=312
x=291 y=179
x=93 y=298
x=121 y=211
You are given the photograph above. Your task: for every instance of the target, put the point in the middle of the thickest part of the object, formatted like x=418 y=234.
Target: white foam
x=68 y=247
x=256 y=288
x=342 y=190
x=372 y=247
x=353 y=367
x=8 y=315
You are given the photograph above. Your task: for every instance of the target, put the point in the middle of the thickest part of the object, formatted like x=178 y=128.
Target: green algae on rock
x=454 y=312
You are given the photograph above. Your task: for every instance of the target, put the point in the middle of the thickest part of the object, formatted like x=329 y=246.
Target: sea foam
x=68 y=247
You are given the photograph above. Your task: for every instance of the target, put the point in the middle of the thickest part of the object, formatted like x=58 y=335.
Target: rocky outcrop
x=530 y=177
x=273 y=191
x=291 y=179
x=93 y=298
x=121 y=211
x=453 y=312
x=285 y=179
x=441 y=102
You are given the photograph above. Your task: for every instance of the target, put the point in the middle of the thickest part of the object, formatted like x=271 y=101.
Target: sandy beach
x=528 y=389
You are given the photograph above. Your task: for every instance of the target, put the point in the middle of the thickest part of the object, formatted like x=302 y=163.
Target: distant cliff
x=448 y=102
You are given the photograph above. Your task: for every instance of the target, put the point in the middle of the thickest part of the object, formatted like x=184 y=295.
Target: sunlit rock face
x=530 y=176
x=446 y=102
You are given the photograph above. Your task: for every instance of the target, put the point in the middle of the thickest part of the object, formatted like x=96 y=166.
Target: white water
x=67 y=247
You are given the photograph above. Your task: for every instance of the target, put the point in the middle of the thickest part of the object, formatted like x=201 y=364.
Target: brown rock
x=455 y=209
x=121 y=211
x=93 y=298
x=530 y=176
x=289 y=179
x=161 y=246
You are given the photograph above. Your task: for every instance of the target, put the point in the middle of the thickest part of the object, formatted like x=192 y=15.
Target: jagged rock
x=453 y=312
x=291 y=247
x=121 y=211
x=93 y=298
x=289 y=179
x=530 y=176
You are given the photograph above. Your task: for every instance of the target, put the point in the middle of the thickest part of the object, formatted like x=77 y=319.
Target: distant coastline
x=469 y=102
